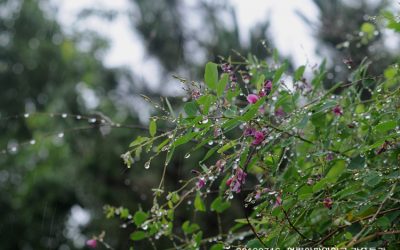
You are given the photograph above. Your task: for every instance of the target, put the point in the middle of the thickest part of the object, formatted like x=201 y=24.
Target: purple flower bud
x=279 y=112
x=195 y=94
x=267 y=87
x=337 y=110
x=278 y=201
x=201 y=183
x=246 y=78
x=328 y=203
x=92 y=243
x=249 y=131
x=329 y=156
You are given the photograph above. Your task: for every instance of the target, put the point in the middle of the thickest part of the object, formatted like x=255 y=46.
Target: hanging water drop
x=187 y=155
x=147 y=165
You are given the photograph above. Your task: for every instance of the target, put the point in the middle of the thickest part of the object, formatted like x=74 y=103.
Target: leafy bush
x=303 y=165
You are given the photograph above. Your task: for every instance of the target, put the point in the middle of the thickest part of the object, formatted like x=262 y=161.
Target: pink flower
x=201 y=183
x=337 y=110
x=252 y=98
x=92 y=243
x=258 y=138
x=328 y=203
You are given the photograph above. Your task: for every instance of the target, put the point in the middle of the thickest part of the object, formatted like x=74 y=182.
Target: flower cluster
x=236 y=181
x=258 y=136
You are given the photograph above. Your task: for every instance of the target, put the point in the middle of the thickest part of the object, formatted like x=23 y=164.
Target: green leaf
x=140 y=217
x=189 y=228
x=171 y=111
x=138 y=235
x=219 y=205
x=153 y=128
x=336 y=170
x=222 y=84
x=279 y=72
x=372 y=178
x=138 y=141
x=206 y=101
x=385 y=126
x=184 y=139
x=227 y=146
x=191 y=108
x=218 y=246
x=169 y=155
x=124 y=213
x=299 y=73
x=210 y=153
x=211 y=75
x=199 y=203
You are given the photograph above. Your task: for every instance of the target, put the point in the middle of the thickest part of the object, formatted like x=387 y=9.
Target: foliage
x=303 y=165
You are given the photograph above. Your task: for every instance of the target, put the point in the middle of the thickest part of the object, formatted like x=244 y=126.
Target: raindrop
x=78 y=117
x=92 y=120
x=147 y=165
x=64 y=115
x=26 y=115
x=60 y=135
x=187 y=155
x=32 y=142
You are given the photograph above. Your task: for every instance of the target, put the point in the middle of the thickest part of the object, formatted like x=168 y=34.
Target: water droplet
x=32 y=142
x=78 y=117
x=187 y=155
x=64 y=115
x=205 y=121
x=60 y=135
x=147 y=165
x=210 y=143
x=26 y=115
x=92 y=120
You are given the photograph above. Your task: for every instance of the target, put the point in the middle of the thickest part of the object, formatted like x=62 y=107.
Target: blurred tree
x=348 y=34
x=171 y=35
x=43 y=175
